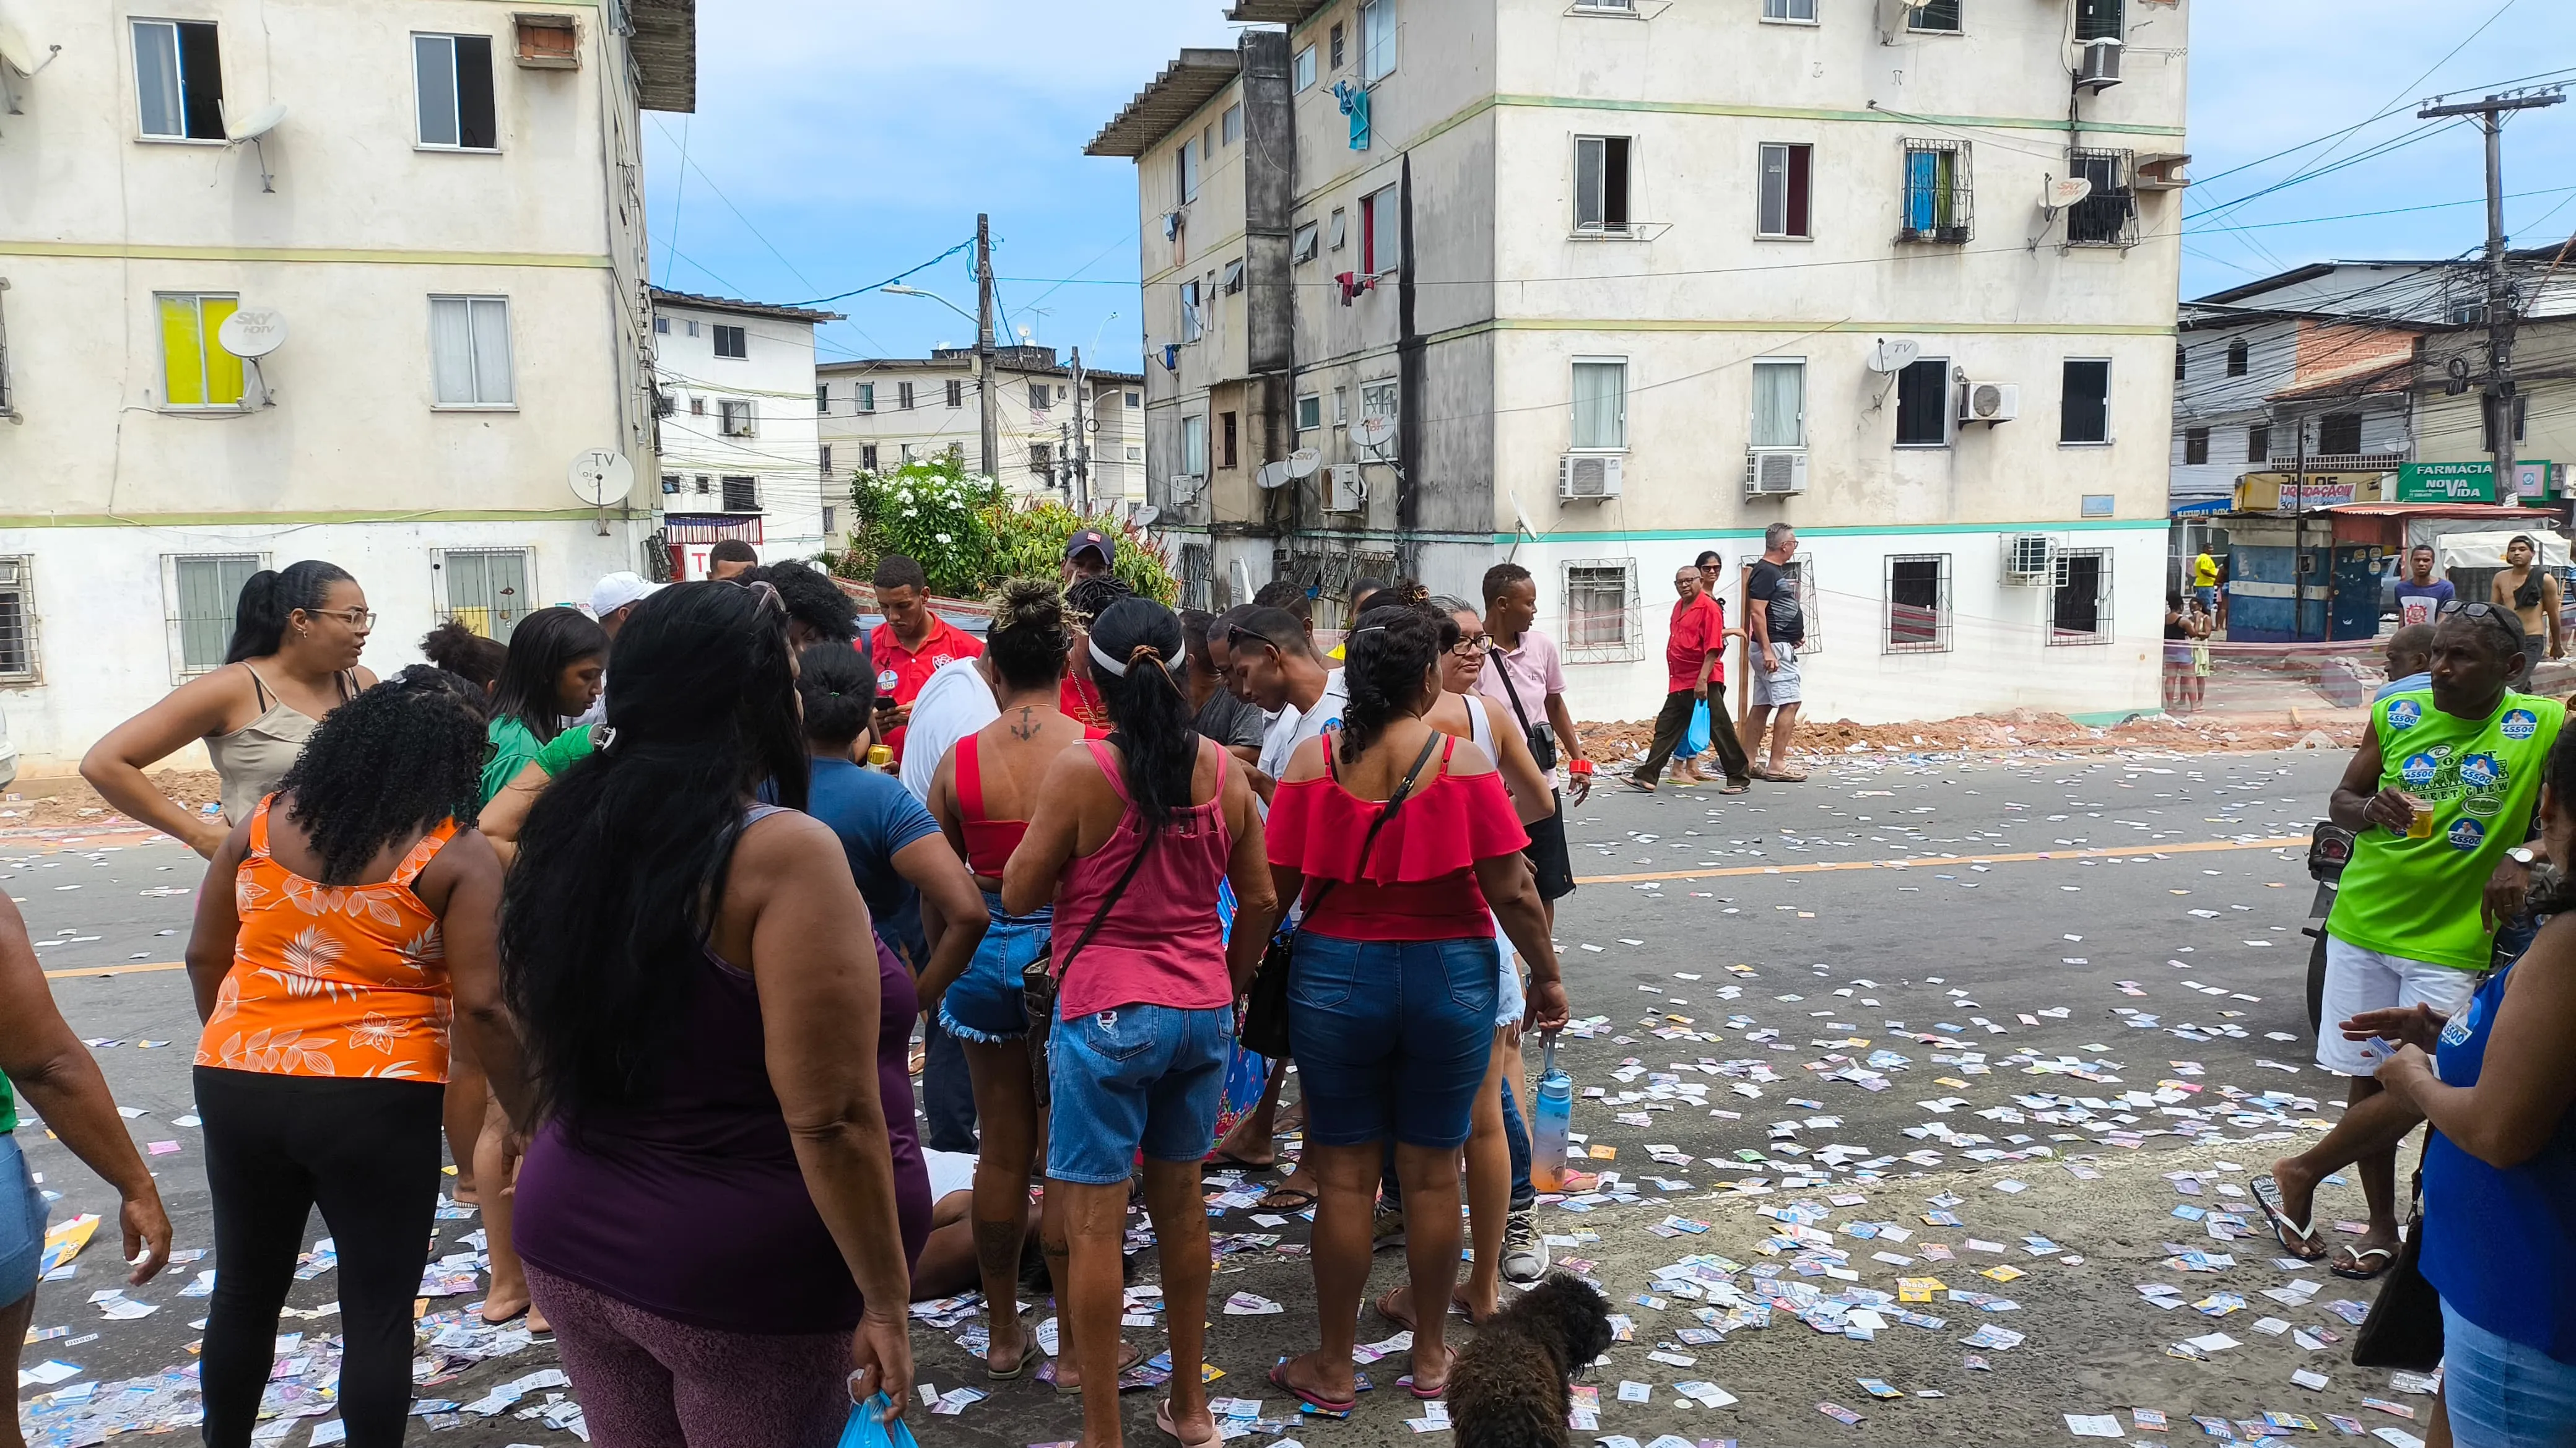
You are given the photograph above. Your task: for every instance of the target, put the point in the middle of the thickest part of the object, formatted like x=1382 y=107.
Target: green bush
x=1030 y=543
x=969 y=536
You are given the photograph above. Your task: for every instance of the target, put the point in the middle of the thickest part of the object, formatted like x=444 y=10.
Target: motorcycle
x=2329 y=850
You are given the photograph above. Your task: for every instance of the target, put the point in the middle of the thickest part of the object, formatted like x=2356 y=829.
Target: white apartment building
x=436 y=203
x=1594 y=286
x=740 y=448
x=878 y=414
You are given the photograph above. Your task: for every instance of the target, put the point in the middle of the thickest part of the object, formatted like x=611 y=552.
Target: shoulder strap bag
x=2404 y=1328
x=1542 y=741
x=1265 y=1015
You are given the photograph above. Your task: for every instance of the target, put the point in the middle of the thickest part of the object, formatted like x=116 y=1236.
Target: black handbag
x=1265 y=1012
x=2404 y=1328
x=1541 y=735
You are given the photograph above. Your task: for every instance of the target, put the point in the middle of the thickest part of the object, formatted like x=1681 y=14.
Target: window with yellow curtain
x=195 y=369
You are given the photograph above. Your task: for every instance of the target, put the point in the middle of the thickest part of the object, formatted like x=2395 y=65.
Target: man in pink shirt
x=1526 y=683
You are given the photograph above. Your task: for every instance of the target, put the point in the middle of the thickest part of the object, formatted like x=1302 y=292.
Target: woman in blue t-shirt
x=2499 y=1243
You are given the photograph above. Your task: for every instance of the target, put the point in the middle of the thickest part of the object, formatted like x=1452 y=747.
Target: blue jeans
x=1515 y=1134
x=2501 y=1393
x=22 y=1224
x=1391 y=1037
x=1138 y=1078
x=986 y=1003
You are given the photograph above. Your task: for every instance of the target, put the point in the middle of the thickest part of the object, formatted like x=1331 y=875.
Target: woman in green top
x=557 y=658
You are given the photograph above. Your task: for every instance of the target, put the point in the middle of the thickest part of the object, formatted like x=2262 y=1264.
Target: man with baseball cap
x=1087 y=553
x=613 y=599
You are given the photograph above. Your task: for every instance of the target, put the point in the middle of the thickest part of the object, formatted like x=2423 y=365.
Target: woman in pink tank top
x=1131 y=840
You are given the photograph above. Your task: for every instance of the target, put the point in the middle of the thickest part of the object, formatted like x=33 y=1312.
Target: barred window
x=2080 y=610
x=1918 y=604
x=2108 y=217
x=1937 y=193
x=1604 y=616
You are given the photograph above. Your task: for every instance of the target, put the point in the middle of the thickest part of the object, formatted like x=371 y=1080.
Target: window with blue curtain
x=1936 y=191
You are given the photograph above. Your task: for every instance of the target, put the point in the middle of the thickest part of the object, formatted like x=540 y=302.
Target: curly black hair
x=1029 y=639
x=1091 y=597
x=468 y=655
x=812 y=598
x=1386 y=660
x=390 y=765
x=839 y=691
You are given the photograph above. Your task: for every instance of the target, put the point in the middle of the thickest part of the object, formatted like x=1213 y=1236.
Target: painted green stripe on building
x=257 y=520
x=1873 y=530
x=378 y=256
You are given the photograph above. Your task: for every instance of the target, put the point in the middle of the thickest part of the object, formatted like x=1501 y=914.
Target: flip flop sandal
x=1219 y=1158
x=1786 y=778
x=1757 y=771
x=1316 y=1401
x=1304 y=1199
x=1386 y=1309
x=1126 y=1360
x=2291 y=1235
x=1030 y=1355
x=1163 y=1420
x=2387 y=1257
x=1417 y=1390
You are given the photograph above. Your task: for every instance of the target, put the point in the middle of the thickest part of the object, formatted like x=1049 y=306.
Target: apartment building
x=880 y=413
x=1594 y=286
x=741 y=452
x=282 y=281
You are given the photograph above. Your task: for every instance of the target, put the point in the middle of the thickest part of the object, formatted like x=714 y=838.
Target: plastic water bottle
x=1550 y=1123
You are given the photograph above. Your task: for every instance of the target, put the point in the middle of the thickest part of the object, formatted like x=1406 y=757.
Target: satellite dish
x=15 y=52
x=252 y=332
x=1894 y=356
x=1303 y=462
x=1145 y=515
x=257 y=124
x=1274 y=475
x=2063 y=194
x=1374 y=432
x=601 y=477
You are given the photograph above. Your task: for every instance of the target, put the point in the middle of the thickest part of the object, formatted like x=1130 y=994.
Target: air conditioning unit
x=1587 y=477
x=1775 y=471
x=2030 y=559
x=1186 y=486
x=1342 y=490
x=1989 y=402
x=2099 y=70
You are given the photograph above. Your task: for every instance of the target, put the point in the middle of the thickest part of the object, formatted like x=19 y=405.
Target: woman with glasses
x=297 y=634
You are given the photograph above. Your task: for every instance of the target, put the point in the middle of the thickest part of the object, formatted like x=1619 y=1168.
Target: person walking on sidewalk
x=1777 y=627
x=1522 y=674
x=1694 y=666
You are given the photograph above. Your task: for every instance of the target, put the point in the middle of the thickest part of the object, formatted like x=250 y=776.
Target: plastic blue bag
x=864 y=1431
x=1695 y=739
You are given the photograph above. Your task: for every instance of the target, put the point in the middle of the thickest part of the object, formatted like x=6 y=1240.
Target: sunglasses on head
x=1237 y=633
x=765 y=594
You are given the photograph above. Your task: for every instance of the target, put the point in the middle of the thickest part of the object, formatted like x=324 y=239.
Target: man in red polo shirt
x=911 y=643
x=1692 y=654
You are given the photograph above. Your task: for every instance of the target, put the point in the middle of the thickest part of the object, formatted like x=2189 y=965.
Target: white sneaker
x=1523 y=1257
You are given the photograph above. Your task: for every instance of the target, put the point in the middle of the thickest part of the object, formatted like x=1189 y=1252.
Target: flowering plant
x=932 y=510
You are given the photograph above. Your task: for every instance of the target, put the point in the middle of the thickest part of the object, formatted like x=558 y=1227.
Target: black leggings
x=367 y=1153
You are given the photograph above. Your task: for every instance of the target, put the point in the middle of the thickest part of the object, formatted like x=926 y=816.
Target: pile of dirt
x=2028 y=729
x=55 y=803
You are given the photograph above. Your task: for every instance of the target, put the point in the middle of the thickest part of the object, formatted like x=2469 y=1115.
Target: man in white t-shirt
x=955 y=701
x=1271 y=652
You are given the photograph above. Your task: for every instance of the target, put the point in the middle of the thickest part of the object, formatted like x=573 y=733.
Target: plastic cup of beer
x=2419 y=824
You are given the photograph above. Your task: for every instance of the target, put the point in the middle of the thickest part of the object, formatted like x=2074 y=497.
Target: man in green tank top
x=2441 y=795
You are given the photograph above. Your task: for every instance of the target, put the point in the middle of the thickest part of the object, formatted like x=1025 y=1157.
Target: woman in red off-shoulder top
x=1391 y=993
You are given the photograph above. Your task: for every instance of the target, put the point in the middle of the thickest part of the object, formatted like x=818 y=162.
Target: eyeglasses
x=1237 y=633
x=765 y=594
x=1471 y=644
x=357 y=618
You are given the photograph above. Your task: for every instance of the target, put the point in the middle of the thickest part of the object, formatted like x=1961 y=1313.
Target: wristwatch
x=2522 y=855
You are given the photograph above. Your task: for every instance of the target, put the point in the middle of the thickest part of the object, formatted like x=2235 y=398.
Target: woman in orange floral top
x=322 y=977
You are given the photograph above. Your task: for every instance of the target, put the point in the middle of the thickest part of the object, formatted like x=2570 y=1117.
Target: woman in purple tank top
x=1131 y=841
x=719 y=1189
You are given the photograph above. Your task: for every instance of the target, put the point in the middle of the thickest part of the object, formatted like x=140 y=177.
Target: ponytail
x=1135 y=643
x=259 y=615
x=1385 y=659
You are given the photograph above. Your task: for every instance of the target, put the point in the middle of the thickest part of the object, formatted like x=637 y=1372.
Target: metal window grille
x=1811 y=618
x=1937 y=193
x=742 y=495
x=2100 y=20
x=2108 y=217
x=1918 y=604
x=204 y=593
x=1934 y=17
x=485 y=589
x=2080 y=610
x=8 y=412
x=1604 y=614
x=1198 y=577
x=17 y=621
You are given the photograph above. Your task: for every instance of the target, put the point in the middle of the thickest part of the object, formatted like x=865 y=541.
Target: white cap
x=617 y=590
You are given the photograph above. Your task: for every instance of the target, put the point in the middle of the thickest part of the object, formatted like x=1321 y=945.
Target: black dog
x=1508 y=1389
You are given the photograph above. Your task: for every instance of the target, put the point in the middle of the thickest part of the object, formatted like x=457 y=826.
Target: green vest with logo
x=2418 y=898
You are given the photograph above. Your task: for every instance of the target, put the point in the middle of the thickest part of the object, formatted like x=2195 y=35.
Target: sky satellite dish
x=601 y=477
x=252 y=332
x=1303 y=462
x=1273 y=475
x=1374 y=432
x=1145 y=515
x=2063 y=194
x=257 y=124
x=1894 y=356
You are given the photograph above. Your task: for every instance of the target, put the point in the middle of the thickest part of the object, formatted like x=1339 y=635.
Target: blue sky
x=839 y=142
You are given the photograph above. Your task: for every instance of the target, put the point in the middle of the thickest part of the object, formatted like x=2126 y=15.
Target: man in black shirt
x=1776 y=626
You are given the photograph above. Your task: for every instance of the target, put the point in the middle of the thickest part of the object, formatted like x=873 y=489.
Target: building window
x=1042 y=462
x=1310 y=412
x=1600 y=404
x=1135 y=454
x=203 y=592
x=1336 y=41
x=1786 y=190
x=693 y=326
x=867 y=457
x=730 y=342
x=1233 y=277
x=662 y=326
x=1187 y=174
x=956 y=392
x=831 y=519
x=1923 y=404
x=1303 y=247
x=2339 y=434
x=2099 y=20
x=1377 y=399
x=2109 y=216
x=179 y=79
x=195 y=370
x=1198 y=565
x=469 y=351
x=1341 y=407
x=1779 y=404
x=453 y=77
x=1041 y=396
x=827 y=466
x=1377 y=39
x=1194 y=445
x=1381 y=239
x=17 y=622
x=671 y=484
x=1937 y=193
x=2195 y=446
x=822 y=399
x=2182 y=362
x=2258 y=443
x=1601 y=183
x=1305 y=68
x=697 y=406
x=1918 y=604
x=1190 y=328
x=2236 y=357
x=867 y=397
x=903 y=396
x=1225 y=439
x=1135 y=399
x=1802 y=11
x=2080 y=610
x=1934 y=17
x=1337 y=229
x=486 y=588
x=2084 y=405
x=742 y=495
x=1231 y=126
x=1604 y=618
x=734 y=416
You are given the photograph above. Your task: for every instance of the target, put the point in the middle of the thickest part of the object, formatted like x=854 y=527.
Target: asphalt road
x=1885 y=898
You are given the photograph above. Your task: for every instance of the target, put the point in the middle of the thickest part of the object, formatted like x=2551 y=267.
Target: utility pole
x=1079 y=459
x=2499 y=400
x=2299 y=534
x=988 y=401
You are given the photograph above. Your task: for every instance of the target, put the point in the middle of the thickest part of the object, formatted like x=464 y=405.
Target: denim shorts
x=22 y=1224
x=1391 y=1037
x=2501 y=1393
x=1138 y=1078
x=986 y=1004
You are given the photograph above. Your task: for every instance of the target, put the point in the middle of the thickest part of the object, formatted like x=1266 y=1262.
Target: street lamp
x=900 y=290
x=986 y=400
